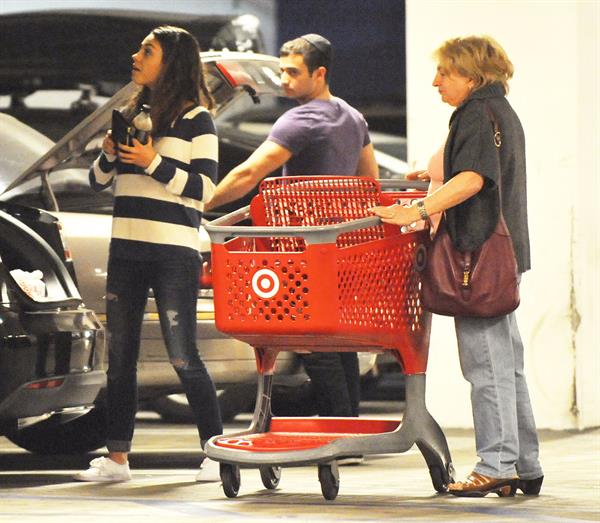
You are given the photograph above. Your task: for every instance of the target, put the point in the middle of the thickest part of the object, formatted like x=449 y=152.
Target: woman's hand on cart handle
x=397 y=214
x=461 y=187
x=418 y=175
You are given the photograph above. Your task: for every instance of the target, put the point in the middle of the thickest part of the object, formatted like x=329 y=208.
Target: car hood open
x=229 y=74
x=72 y=146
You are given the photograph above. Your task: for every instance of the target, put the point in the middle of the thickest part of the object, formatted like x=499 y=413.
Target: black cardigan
x=470 y=147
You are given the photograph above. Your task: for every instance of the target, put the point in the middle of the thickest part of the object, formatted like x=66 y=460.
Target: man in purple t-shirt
x=323 y=135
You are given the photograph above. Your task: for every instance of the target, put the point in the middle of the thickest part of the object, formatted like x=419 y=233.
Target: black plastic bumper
x=76 y=390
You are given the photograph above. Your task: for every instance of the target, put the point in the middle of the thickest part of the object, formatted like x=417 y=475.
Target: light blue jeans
x=491 y=359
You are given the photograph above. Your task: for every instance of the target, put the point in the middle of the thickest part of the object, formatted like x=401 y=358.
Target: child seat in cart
x=314 y=270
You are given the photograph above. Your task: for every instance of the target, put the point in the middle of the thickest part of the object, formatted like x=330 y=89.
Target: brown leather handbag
x=482 y=283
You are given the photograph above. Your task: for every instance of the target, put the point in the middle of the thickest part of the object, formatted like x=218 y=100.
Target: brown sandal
x=477 y=486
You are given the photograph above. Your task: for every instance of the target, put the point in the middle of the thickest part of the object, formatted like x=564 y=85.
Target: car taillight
x=229 y=73
x=66 y=250
x=205 y=278
x=46 y=384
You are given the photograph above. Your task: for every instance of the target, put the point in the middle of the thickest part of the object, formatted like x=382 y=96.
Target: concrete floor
x=384 y=488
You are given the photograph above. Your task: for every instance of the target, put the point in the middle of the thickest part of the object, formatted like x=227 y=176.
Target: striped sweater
x=158 y=210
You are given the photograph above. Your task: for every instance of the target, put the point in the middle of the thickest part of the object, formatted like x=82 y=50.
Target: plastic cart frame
x=255 y=270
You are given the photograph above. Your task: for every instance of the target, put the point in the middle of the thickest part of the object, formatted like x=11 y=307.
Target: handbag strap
x=497 y=133
x=466 y=281
x=497 y=143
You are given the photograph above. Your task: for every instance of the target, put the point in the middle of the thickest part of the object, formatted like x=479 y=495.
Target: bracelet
x=422 y=210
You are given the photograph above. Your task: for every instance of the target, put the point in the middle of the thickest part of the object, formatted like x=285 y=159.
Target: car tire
x=237 y=399
x=78 y=436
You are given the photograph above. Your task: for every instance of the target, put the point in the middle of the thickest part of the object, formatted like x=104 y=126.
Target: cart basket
x=316 y=271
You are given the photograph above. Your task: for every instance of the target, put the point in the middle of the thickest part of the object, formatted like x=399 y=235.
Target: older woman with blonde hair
x=469 y=170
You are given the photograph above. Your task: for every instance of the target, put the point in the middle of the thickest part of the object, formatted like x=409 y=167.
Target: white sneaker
x=209 y=471
x=104 y=469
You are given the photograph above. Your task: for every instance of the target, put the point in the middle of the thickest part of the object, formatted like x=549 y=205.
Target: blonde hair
x=479 y=58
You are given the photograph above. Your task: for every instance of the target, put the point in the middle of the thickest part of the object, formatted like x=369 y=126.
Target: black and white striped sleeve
x=187 y=159
x=103 y=171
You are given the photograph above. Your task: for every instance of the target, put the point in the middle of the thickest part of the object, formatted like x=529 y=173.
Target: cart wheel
x=230 y=477
x=441 y=478
x=437 y=478
x=330 y=481
x=270 y=476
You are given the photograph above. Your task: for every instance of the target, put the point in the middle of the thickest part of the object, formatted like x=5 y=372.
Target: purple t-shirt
x=324 y=137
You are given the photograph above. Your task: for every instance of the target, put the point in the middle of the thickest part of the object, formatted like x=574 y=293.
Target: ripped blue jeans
x=175 y=285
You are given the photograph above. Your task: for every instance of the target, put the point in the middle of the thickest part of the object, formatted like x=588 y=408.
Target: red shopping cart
x=316 y=271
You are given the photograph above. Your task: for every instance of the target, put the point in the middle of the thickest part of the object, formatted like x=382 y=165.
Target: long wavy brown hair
x=180 y=83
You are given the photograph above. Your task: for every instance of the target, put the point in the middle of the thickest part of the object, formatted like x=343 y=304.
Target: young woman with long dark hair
x=160 y=189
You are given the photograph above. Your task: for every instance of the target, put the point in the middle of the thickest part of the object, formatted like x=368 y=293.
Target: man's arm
x=243 y=178
x=367 y=165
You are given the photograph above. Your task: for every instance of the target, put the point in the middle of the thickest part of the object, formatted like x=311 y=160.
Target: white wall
x=555 y=47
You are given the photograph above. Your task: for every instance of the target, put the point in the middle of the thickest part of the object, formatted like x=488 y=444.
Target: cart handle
x=224 y=228
x=404 y=185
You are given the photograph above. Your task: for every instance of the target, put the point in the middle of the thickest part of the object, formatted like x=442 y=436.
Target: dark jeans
x=336 y=380
x=175 y=285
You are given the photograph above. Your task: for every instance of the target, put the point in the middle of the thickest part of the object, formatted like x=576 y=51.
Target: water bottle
x=143 y=124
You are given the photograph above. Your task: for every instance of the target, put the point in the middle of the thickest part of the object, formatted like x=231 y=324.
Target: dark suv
x=51 y=346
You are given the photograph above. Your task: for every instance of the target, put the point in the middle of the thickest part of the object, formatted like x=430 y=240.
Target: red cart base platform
x=271 y=443
x=295 y=434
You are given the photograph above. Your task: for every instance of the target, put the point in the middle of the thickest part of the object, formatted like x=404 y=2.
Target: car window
x=244 y=112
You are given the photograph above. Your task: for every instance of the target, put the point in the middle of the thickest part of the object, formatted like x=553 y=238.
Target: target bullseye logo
x=265 y=283
x=235 y=442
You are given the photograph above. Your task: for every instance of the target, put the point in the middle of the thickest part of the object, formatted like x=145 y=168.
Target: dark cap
x=319 y=42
